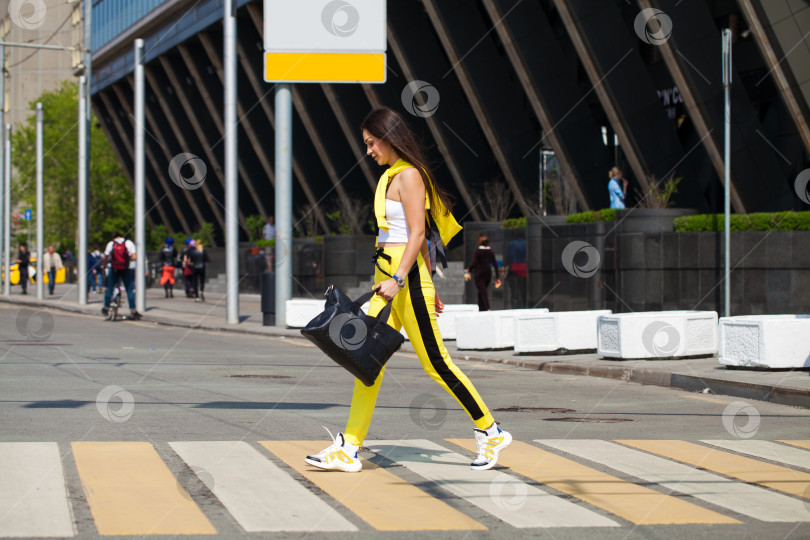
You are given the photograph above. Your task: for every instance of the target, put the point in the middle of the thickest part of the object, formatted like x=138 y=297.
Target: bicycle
x=115 y=302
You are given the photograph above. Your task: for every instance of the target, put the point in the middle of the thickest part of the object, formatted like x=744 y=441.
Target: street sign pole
x=40 y=208
x=727 y=167
x=81 y=251
x=231 y=176
x=140 y=204
x=283 y=267
x=7 y=205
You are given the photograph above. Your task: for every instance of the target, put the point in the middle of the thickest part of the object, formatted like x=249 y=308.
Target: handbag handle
x=384 y=313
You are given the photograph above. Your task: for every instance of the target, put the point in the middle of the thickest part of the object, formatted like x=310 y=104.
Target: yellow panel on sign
x=324 y=67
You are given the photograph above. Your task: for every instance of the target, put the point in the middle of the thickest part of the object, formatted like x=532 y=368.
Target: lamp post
x=727 y=168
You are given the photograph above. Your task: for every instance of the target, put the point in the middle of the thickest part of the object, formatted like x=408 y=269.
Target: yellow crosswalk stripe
x=131 y=491
x=800 y=444
x=637 y=504
x=383 y=500
x=746 y=469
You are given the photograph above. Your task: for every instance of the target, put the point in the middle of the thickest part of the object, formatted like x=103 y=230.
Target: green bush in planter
x=606 y=214
x=514 y=223
x=758 y=221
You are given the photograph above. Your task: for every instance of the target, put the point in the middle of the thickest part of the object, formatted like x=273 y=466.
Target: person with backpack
x=119 y=252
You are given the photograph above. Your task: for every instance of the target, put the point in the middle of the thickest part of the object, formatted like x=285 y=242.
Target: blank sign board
x=325 y=40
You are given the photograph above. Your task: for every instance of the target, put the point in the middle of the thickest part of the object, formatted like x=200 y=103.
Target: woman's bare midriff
x=392 y=244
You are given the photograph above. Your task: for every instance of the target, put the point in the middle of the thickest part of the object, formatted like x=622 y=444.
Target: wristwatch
x=399 y=280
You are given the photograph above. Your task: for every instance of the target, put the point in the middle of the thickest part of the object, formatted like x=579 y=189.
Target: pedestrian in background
x=120 y=253
x=92 y=269
x=168 y=259
x=617 y=188
x=199 y=257
x=270 y=228
x=97 y=279
x=51 y=264
x=188 y=272
x=481 y=268
x=23 y=260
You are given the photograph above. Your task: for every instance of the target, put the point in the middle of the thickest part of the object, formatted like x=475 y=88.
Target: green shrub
x=606 y=214
x=514 y=223
x=758 y=221
x=265 y=243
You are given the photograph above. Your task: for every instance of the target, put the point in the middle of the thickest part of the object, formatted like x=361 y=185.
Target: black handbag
x=358 y=342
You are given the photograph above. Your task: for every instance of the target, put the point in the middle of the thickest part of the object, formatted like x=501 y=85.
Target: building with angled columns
x=512 y=94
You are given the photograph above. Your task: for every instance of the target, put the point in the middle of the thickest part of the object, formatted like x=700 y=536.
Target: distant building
x=31 y=72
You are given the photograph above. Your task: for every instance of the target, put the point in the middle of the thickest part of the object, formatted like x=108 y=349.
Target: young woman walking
x=406 y=197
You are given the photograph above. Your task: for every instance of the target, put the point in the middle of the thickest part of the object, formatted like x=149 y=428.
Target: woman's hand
x=467 y=276
x=497 y=283
x=388 y=289
x=439 y=306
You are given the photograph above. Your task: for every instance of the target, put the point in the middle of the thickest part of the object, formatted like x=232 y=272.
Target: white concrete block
x=489 y=329
x=657 y=334
x=302 y=310
x=770 y=341
x=546 y=332
x=447 y=320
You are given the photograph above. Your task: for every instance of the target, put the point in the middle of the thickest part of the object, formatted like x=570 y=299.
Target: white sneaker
x=489 y=446
x=336 y=456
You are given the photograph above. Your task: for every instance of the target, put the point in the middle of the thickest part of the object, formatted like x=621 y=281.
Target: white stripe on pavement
x=505 y=496
x=788 y=455
x=748 y=500
x=256 y=491
x=33 y=496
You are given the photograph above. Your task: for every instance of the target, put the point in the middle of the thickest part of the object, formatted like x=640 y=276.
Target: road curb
x=795 y=397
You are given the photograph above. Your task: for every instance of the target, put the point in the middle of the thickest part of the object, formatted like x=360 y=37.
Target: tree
x=110 y=197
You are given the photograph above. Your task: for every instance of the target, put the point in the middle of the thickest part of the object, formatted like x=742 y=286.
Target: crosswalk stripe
x=746 y=469
x=380 y=498
x=131 y=491
x=503 y=495
x=766 y=450
x=257 y=493
x=33 y=498
x=800 y=444
x=637 y=504
x=745 y=499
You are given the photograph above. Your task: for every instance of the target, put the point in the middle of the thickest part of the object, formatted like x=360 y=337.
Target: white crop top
x=398 y=230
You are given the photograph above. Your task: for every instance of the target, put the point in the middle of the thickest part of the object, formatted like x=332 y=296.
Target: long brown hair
x=388 y=125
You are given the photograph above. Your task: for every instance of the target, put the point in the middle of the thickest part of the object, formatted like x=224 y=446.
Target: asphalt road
x=76 y=381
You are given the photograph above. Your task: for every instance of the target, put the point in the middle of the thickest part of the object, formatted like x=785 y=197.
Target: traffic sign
x=325 y=41
x=28 y=214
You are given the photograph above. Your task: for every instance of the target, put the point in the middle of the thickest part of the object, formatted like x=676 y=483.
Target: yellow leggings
x=414 y=308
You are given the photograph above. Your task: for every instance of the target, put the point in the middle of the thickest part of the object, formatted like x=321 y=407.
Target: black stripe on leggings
x=432 y=346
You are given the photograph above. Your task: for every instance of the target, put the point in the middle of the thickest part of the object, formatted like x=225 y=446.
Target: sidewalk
x=696 y=374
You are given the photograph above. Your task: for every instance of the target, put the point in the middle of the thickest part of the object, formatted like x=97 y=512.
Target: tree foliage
x=110 y=197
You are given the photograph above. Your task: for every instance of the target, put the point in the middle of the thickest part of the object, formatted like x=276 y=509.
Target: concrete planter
x=649 y=220
x=765 y=341
x=547 y=332
x=489 y=329
x=347 y=259
x=447 y=320
x=657 y=334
